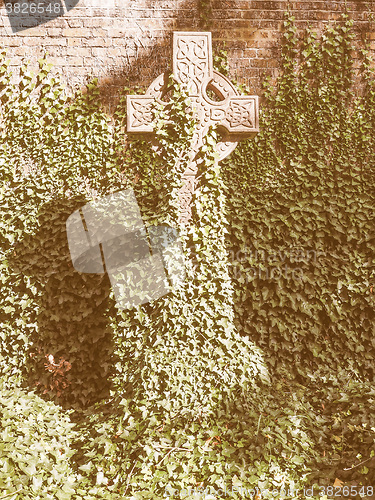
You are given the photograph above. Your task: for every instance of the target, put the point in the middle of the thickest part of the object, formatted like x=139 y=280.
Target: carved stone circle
x=214 y=99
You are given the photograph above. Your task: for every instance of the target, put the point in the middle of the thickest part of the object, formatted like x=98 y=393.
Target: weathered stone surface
x=214 y=100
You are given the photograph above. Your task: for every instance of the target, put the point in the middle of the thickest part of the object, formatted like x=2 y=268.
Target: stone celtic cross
x=214 y=99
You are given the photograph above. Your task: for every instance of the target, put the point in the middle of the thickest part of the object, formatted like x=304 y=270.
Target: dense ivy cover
x=250 y=375
x=306 y=228
x=36 y=445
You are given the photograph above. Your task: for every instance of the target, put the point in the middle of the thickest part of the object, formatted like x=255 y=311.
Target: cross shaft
x=214 y=99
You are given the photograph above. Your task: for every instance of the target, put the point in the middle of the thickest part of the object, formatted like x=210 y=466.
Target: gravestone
x=215 y=101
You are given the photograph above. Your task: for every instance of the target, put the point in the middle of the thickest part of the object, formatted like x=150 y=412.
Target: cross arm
x=139 y=113
x=239 y=115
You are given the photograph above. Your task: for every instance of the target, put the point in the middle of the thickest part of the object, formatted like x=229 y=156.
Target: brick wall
x=128 y=41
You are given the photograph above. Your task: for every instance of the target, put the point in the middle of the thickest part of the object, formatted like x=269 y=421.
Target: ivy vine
x=258 y=371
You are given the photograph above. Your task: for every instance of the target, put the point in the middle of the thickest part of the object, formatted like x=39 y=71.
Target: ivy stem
x=354 y=466
x=10 y=494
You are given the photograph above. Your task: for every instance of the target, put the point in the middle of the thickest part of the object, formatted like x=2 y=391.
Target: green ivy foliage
x=36 y=439
x=241 y=378
x=313 y=164
x=181 y=339
x=52 y=149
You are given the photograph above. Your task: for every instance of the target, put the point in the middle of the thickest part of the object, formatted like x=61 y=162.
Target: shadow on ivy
x=72 y=352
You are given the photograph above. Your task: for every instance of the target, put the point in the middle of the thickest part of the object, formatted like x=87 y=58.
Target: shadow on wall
x=257 y=38
x=25 y=14
x=149 y=62
x=71 y=357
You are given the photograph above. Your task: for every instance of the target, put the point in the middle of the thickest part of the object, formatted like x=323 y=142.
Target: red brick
x=74 y=61
x=75 y=32
x=137 y=35
x=98 y=32
x=30 y=41
x=75 y=22
x=58 y=61
x=74 y=42
x=99 y=52
x=259 y=63
x=37 y=31
x=96 y=42
x=16 y=61
x=61 y=42
x=55 y=32
x=78 y=51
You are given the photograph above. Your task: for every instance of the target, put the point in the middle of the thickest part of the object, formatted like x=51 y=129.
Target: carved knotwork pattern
x=186 y=192
x=185 y=198
x=142 y=114
x=240 y=115
x=192 y=60
x=186 y=215
x=192 y=65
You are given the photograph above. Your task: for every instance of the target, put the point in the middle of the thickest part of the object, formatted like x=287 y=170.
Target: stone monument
x=214 y=99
